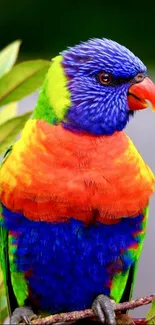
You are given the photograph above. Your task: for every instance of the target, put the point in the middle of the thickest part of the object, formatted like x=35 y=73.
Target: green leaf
x=10 y=129
x=22 y=80
x=8 y=57
x=151 y=313
x=8 y=111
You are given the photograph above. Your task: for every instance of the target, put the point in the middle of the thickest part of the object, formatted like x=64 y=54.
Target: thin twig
x=135 y=303
x=139 y=321
x=88 y=313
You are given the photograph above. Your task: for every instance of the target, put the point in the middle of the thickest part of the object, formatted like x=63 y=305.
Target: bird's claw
x=103 y=308
x=21 y=314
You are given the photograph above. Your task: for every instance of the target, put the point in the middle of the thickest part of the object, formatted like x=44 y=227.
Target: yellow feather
x=57 y=92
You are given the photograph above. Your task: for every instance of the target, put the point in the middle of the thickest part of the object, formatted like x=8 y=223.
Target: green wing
x=130 y=277
x=6 y=292
x=123 y=283
x=4 y=298
x=133 y=270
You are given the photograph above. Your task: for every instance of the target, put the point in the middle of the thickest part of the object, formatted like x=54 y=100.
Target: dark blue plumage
x=99 y=109
x=68 y=264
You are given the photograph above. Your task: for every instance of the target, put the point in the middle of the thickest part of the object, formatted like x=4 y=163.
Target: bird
x=74 y=190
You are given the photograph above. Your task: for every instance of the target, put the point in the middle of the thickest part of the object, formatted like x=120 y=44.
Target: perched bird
x=74 y=190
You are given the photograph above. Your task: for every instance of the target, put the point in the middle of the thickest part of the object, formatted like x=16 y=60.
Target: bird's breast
x=53 y=174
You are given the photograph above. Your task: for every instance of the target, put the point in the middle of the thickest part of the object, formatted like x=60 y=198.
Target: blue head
x=100 y=73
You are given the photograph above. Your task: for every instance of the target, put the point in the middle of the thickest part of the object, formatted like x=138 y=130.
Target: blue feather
x=68 y=264
x=99 y=109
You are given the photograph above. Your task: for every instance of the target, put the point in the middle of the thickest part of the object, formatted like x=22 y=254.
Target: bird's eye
x=139 y=77
x=104 y=78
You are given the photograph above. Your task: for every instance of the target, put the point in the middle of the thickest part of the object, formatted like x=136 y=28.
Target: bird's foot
x=103 y=308
x=22 y=314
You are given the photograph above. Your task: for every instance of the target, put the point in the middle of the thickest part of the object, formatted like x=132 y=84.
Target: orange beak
x=141 y=95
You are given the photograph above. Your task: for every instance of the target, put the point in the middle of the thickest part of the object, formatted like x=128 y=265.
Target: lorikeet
x=74 y=190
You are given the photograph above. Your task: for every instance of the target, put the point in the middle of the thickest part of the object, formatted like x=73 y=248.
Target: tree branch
x=88 y=313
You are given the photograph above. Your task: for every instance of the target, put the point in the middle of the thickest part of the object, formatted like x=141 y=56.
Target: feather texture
x=73 y=188
x=66 y=265
x=77 y=175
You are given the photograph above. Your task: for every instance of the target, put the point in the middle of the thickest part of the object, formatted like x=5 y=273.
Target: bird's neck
x=43 y=109
x=54 y=99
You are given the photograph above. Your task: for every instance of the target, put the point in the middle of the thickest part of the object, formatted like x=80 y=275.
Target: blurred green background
x=47 y=27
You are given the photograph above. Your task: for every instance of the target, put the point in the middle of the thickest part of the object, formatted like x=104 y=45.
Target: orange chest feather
x=53 y=174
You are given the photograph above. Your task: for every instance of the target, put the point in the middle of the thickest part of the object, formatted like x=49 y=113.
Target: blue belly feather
x=67 y=264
